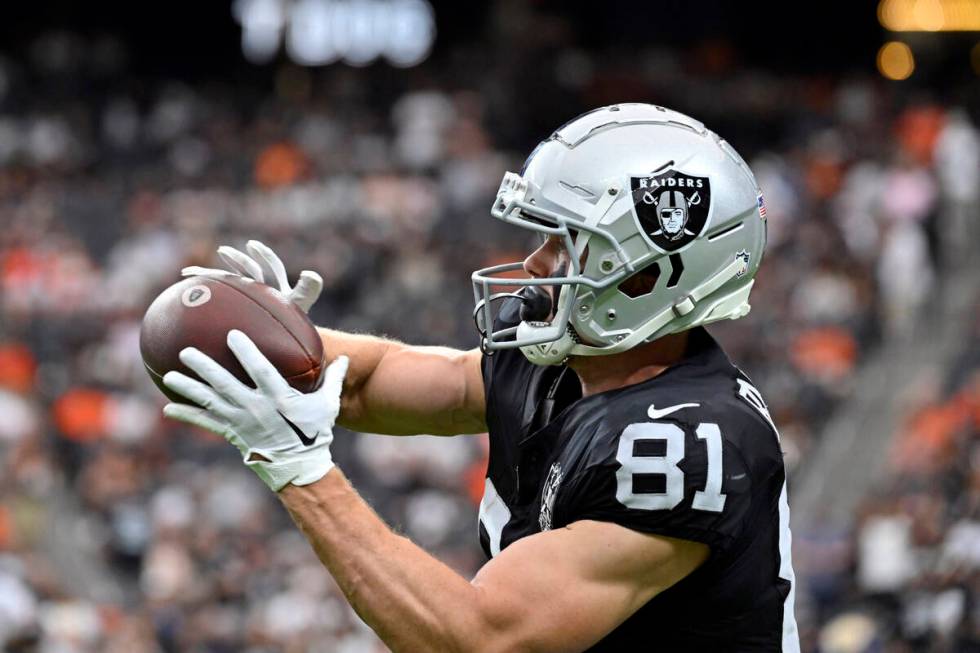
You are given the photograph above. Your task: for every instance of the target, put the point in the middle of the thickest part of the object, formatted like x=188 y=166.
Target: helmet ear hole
x=642 y=282
x=676 y=268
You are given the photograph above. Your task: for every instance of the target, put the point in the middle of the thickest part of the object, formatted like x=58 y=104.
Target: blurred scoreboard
x=320 y=32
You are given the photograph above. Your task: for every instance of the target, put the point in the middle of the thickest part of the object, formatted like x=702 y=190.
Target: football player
x=635 y=498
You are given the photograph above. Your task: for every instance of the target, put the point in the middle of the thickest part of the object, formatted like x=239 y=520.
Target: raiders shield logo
x=548 y=495
x=195 y=296
x=672 y=207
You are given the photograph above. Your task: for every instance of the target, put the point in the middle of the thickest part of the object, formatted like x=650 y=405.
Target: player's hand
x=284 y=435
x=262 y=265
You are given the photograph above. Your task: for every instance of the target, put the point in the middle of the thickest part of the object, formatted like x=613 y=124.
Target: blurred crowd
x=907 y=578
x=122 y=532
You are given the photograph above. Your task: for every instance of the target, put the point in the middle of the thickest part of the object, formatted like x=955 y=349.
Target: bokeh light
x=929 y=15
x=895 y=60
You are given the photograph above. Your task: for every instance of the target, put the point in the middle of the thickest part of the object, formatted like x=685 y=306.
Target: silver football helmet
x=630 y=189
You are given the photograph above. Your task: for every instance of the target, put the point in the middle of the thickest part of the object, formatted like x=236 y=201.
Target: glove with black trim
x=284 y=435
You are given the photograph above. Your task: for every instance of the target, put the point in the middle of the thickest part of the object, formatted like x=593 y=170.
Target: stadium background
x=136 y=137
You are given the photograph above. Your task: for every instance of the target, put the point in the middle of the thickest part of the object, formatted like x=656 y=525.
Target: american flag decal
x=762 y=207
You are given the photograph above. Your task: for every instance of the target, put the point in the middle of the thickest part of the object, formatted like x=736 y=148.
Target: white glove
x=284 y=435
x=262 y=265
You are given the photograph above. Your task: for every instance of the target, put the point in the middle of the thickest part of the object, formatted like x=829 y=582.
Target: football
x=200 y=311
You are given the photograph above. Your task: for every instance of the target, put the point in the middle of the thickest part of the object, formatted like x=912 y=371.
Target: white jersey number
x=710 y=499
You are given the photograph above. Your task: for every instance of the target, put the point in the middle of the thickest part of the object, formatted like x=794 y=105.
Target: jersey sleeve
x=665 y=478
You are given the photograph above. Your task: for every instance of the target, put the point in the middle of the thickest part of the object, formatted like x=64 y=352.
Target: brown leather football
x=200 y=311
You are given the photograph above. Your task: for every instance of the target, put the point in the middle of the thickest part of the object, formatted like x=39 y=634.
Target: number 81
x=710 y=499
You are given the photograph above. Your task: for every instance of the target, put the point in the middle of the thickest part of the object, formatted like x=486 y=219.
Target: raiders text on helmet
x=629 y=188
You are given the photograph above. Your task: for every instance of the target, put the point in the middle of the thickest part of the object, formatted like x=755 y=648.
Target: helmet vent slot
x=676 y=268
x=578 y=190
x=724 y=232
x=642 y=282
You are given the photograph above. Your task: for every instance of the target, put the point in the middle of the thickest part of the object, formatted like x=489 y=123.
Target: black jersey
x=691 y=454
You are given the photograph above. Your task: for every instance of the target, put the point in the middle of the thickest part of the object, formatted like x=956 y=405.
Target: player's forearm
x=398 y=389
x=365 y=353
x=410 y=599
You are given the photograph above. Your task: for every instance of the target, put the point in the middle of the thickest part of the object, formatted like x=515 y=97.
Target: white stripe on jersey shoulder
x=791 y=634
x=494 y=515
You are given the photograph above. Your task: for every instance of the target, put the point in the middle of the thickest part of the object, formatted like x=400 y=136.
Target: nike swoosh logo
x=655 y=413
x=298 y=431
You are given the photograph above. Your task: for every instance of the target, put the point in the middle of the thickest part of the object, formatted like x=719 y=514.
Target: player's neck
x=601 y=373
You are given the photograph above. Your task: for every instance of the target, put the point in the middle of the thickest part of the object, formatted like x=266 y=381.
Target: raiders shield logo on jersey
x=672 y=207
x=548 y=495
